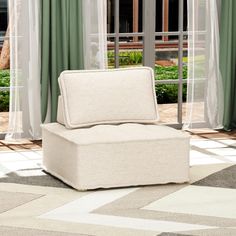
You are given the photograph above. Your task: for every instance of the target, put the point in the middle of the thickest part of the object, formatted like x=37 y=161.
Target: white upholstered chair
x=107 y=133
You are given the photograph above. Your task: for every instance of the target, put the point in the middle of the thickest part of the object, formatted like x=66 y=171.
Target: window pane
x=130 y=54
x=4 y=74
x=185 y=15
x=126 y=16
x=130 y=16
x=4 y=99
x=159 y=14
x=167 y=110
x=110 y=52
x=110 y=16
x=133 y=56
x=3 y=15
x=3 y=21
x=166 y=49
x=173 y=15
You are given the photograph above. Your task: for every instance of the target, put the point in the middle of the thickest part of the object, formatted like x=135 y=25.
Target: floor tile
x=199 y=158
x=4 y=148
x=11 y=156
x=230 y=142
x=208 y=144
x=31 y=155
x=21 y=165
x=223 y=151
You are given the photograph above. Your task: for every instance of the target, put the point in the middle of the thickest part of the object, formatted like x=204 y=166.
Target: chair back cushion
x=108 y=97
x=60 y=115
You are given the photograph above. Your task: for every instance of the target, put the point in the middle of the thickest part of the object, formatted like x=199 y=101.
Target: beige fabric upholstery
x=116 y=155
x=60 y=115
x=100 y=141
x=108 y=97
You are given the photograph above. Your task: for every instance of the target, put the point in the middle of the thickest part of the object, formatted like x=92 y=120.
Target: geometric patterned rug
x=35 y=203
x=39 y=178
x=204 y=207
x=225 y=178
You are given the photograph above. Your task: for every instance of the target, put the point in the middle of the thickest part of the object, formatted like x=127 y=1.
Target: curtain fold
x=73 y=38
x=24 y=110
x=62 y=47
x=204 y=106
x=95 y=34
x=228 y=61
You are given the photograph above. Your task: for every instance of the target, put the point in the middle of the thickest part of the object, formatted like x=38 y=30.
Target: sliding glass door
x=153 y=33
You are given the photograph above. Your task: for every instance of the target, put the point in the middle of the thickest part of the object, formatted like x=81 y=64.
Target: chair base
x=108 y=156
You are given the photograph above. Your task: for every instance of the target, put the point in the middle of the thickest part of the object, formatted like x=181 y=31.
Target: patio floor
x=3 y=121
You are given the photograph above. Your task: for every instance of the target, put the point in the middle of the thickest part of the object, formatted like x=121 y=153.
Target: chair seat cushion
x=108 y=97
x=108 y=134
x=107 y=156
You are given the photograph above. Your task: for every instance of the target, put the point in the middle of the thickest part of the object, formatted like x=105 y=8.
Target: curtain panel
x=73 y=38
x=204 y=106
x=228 y=61
x=24 y=110
x=95 y=34
x=62 y=47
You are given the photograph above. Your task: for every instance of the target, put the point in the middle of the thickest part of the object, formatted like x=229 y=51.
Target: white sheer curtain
x=24 y=111
x=204 y=93
x=95 y=34
x=25 y=107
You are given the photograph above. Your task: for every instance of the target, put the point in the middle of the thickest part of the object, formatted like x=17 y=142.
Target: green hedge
x=125 y=58
x=168 y=93
x=4 y=95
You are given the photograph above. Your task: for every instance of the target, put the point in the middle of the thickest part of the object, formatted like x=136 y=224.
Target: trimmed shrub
x=4 y=95
x=168 y=93
x=125 y=58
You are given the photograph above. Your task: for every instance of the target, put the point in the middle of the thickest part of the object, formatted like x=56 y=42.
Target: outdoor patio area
x=117 y=118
